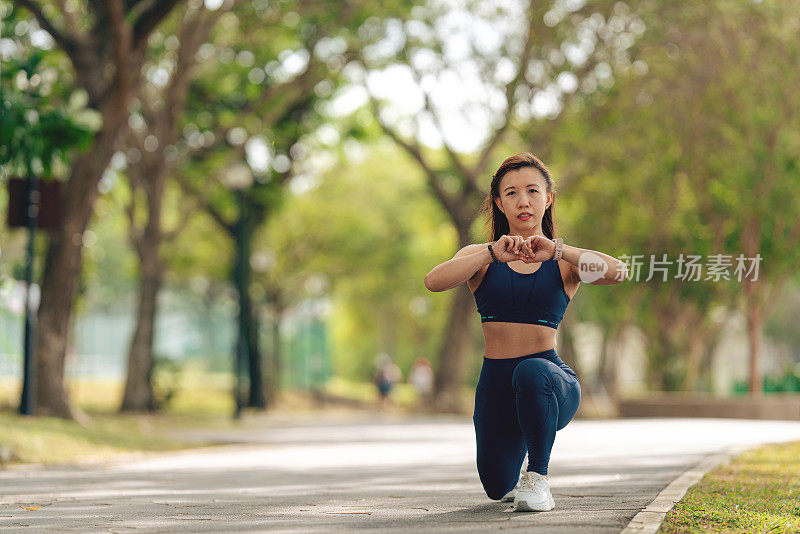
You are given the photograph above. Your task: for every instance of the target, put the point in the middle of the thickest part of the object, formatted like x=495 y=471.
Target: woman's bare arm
x=614 y=273
x=459 y=269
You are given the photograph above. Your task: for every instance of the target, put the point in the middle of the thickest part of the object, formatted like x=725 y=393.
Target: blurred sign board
x=49 y=203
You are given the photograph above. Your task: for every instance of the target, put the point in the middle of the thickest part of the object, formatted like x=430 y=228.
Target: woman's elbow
x=430 y=284
x=433 y=283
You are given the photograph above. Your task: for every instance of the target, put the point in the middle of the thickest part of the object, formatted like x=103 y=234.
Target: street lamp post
x=32 y=204
x=28 y=384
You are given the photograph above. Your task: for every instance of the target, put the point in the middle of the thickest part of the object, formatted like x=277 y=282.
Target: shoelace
x=529 y=483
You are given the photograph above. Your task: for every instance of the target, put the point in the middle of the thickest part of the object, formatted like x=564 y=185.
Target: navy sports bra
x=535 y=298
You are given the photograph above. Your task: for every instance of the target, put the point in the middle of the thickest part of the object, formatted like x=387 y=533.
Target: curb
x=649 y=520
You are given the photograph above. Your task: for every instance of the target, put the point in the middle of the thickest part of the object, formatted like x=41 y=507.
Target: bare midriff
x=510 y=340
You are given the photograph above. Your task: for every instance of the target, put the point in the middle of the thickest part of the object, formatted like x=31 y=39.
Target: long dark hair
x=496 y=221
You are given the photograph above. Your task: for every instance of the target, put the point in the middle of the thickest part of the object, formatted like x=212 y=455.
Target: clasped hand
x=533 y=249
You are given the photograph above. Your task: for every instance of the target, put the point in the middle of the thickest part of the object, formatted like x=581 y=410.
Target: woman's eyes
x=531 y=189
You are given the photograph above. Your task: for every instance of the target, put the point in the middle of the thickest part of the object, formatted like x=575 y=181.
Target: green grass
x=201 y=400
x=759 y=491
x=54 y=440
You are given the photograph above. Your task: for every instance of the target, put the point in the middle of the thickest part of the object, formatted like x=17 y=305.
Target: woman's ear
x=499 y=205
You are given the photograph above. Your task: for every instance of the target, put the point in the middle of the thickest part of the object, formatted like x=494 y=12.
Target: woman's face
x=524 y=191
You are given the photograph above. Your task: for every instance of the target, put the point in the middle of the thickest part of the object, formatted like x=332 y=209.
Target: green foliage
x=108 y=278
x=372 y=231
x=253 y=93
x=52 y=440
x=693 y=151
x=786 y=382
x=39 y=124
x=167 y=378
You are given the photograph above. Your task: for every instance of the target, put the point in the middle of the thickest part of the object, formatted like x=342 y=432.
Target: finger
x=520 y=243
x=509 y=243
x=501 y=244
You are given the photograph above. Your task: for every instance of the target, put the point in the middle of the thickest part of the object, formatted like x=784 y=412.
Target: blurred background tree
x=285 y=174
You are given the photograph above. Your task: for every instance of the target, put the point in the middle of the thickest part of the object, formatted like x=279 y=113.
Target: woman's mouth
x=524 y=216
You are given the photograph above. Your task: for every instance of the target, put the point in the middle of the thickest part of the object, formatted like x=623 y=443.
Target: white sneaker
x=509 y=497
x=533 y=494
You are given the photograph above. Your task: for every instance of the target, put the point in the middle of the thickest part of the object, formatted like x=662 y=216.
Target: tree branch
x=134 y=232
x=69 y=17
x=209 y=208
x=184 y=220
x=415 y=151
x=511 y=89
x=149 y=19
x=66 y=40
x=454 y=157
x=121 y=32
x=282 y=97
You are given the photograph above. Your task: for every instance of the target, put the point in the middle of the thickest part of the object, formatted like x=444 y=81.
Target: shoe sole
x=523 y=506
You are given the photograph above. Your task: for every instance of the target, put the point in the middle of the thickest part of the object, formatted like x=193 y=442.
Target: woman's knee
x=495 y=487
x=533 y=372
x=495 y=492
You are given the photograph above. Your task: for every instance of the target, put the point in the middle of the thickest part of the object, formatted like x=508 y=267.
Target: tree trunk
x=609 y=364
x=754 y=315
x=138 y=396
x=272 y=380
x=247 y=323
x=697 y=345
x=566 y=349
x=257 y=398
x=754 y=300
x=450 y=374
x=63 y=265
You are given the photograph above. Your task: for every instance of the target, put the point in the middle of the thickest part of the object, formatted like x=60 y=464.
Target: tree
x=722 y=48
x=106 y=44
x=255 y=118
x=705 y=154
x=369 y=243
x=156 y=121
x=526 y=64
x=38 y=131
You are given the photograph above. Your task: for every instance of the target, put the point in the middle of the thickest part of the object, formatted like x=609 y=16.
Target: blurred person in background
x=387 y=374
x=421 y=377
x=522 y=281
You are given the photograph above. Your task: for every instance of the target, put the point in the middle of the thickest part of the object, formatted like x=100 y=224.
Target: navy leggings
x=519 y=404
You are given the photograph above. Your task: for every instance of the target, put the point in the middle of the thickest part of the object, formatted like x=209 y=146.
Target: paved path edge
x=649 y=520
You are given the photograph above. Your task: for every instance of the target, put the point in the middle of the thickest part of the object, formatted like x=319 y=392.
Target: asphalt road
x=367 y=473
